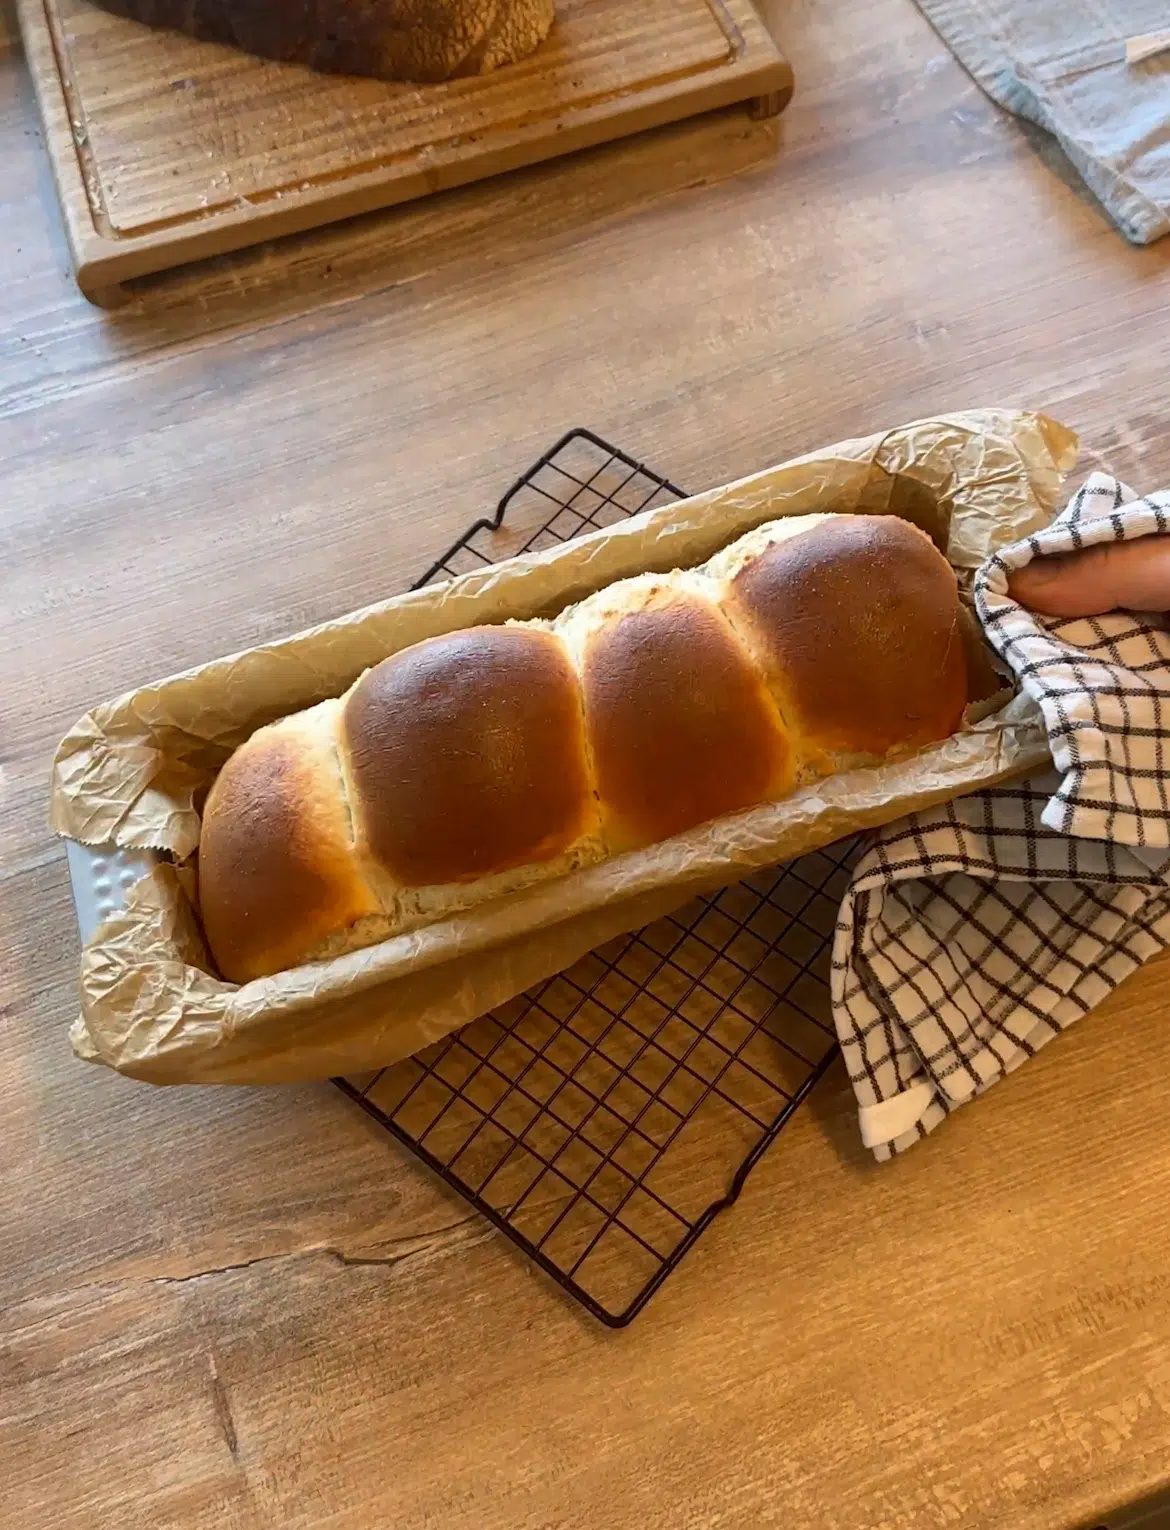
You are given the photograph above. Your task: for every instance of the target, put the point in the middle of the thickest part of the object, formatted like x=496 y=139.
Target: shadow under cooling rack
x=603 y=1119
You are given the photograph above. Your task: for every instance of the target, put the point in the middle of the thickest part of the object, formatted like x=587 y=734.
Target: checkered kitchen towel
x=974 y=932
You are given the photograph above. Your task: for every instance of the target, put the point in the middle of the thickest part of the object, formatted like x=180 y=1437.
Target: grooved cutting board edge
x=167 y=151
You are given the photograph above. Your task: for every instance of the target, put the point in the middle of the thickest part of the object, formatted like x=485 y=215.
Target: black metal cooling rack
x=604 y=1119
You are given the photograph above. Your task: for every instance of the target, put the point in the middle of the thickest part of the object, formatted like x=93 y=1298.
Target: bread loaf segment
x=277 y=873
x=856 y=623
x=681 y=726
x=465 y=756
x=479 y=762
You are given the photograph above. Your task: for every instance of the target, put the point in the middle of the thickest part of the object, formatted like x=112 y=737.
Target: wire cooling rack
x=604 y=1119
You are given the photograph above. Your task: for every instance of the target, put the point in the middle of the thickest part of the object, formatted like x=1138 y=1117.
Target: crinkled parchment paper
x=133 y=773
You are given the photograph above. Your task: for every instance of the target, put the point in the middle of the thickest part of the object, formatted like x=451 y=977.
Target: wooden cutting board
x=167 y=150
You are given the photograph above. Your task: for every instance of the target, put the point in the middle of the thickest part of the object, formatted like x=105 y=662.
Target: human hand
x=1130 y=576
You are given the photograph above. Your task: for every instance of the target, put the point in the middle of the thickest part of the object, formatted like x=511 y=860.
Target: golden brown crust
x=857 y=622
x=681 y=725
x=421 y=40
x=473 y=764
x=276 y=872
x=466 y=756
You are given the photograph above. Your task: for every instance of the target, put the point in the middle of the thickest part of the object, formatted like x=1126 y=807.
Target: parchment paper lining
x=134 y=772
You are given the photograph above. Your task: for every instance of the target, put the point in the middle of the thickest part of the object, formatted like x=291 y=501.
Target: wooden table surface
x=246 y=1308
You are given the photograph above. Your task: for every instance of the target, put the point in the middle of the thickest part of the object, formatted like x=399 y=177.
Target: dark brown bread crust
x=858 y=619
x=680 y=723
x=467 y=756
x=421 y=40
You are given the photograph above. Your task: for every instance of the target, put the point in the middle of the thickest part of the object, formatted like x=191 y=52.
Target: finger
x=1131 y=576
x=1065 y=584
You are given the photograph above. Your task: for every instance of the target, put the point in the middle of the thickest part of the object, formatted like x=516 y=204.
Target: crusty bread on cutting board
x=479 y=762
x=422 y=40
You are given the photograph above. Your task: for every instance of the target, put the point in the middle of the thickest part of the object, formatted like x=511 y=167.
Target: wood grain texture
x=165 y=149
x=975 y=1335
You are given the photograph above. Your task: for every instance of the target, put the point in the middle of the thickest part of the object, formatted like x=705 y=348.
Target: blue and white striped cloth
x=1062 y=64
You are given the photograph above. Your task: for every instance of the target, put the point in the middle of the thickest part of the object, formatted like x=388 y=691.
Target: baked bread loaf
x=476 y=763
x=421 y=40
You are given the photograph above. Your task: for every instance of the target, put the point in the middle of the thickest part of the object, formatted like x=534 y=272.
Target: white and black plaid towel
x=973 y=933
